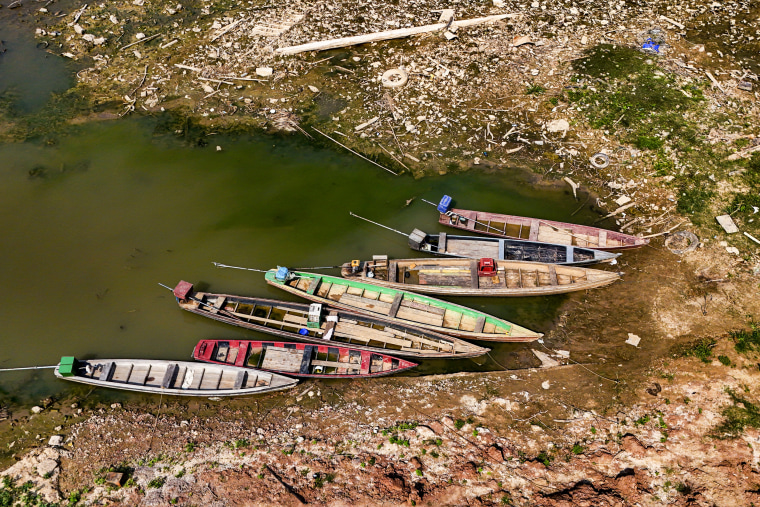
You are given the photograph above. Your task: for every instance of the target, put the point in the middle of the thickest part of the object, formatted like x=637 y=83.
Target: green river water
x=93 y=221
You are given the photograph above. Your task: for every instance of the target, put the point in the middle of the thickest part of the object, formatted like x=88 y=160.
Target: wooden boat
x=399 y=306
x=179 y=378
x=535 y=229
x=334 y=327
x=300 y=359
x=478 y=247
x=473 y=277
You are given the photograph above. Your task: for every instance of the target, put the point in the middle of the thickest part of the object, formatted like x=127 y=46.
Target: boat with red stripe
x=300 y=359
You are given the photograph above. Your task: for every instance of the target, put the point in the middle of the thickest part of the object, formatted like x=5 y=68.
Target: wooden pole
x=386 y=35
x=355 y=153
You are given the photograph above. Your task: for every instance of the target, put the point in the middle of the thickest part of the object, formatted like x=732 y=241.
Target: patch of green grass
x=621 y=89
x=157 y=482
x=535 y=89
x=641 y=420
x=694 y=194
x=321 y=479
x=682 y=488
x=242 y=442
x=577 y=449
x=400 y=427
x=544 y=458
x=742 y=204
x=746 y=341
x=738 y=416
x=645 y=142
x=724 y=360
x=394 y=439
x=701 y=349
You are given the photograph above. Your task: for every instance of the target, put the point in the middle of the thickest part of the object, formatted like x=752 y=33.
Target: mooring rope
x=29 y=368
x=220 y=265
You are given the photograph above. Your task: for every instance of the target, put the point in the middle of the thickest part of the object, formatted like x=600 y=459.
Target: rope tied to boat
x=220 y=265
x=29 y=368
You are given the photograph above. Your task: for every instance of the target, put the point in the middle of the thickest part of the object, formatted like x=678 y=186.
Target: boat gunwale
x=473 y=350
x=310 y=375
x=598 y=259
x=545 y=290
x=634 y=241
x=287 y=382
x=436 y=303
x=469 y=335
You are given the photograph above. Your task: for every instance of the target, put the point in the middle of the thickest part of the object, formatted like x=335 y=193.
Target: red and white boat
x=300 y=359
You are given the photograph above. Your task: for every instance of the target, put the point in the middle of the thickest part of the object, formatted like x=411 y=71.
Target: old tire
x=599 y=160
x=394 y=78
x=681 y=242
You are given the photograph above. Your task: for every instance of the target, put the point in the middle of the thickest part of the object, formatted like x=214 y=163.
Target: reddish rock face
x=437 y=427
x=494 y=454
x=632 y=445
x=394 y=483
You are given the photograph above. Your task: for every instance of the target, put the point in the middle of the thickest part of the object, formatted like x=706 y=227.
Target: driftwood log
x=386 y=35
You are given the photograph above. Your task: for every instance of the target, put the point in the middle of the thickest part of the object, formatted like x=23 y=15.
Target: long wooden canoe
x=179 y=378
x=478 y=247
x=464 y=277
x=300 y=359
x=333 y=327
x=399 y=306
x=536 y=229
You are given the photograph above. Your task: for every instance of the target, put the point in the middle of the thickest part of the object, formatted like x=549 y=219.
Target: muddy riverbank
x=672 y=420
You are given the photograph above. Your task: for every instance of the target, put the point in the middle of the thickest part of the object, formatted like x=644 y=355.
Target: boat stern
x=203 y=350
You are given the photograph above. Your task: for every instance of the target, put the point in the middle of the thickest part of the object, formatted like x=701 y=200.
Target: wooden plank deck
x=371 y=305
x=279 y=359
x=363 y=333
x=336 y=364
x=421 y=316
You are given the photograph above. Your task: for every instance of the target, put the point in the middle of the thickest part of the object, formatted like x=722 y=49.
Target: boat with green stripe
x=399 y=306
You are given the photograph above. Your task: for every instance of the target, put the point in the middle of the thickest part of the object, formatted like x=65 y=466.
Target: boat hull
x=544 y=231
x=506 y=249
x=300 y=360
x=224 y=308
x=402 y=306
x=460 y=277
x=178 y=378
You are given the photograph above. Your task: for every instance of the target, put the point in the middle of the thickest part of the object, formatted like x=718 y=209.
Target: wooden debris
x=727 y=223
x=750 y=236
x=226 y=29
x=619 y=210
x=276 y=29
x=146 y=39
x=573 y=185
x=714 y=81
x=672 y=22
x=385 y=35
x=366 y=124
x=520 y=40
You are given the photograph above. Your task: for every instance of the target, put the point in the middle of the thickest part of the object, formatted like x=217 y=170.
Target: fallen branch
x=226 y=29
x=76 y=16
x=750 y=236
x=146 y=39
x=215 y=80
x=386 y=35
x=673 y=22
x=618 y=211
x=679 y=224
x=352 y=151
